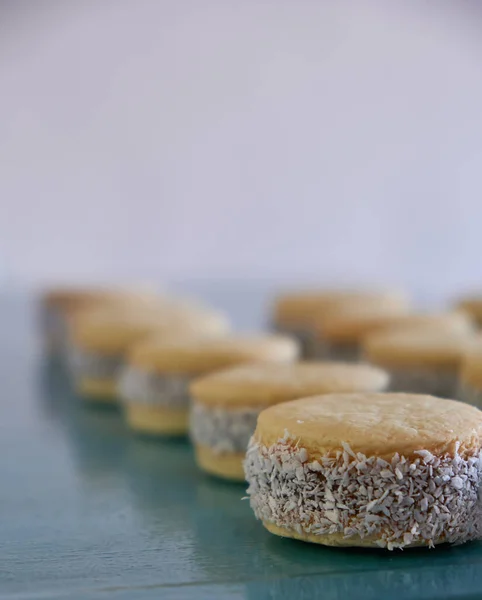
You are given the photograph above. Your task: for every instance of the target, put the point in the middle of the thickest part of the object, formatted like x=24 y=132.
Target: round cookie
x=421 y=360
x=338 y=333
x=297 y=312
x=100 y=339
x=154 y=386
x=351 y=324
x=450 y=322
x=58 y=305
x=379 y=470
x=226 y=404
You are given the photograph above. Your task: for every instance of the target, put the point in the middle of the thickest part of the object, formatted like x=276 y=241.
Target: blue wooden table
x=89 y=511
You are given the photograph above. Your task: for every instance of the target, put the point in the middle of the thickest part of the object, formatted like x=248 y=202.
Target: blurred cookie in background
x=339 y=334
x=420 y=361
x=100 y=339
x=368 y=470
x=297 y=313
x=154 y=386
x=226 y=404
x=338 y=331
x=59 y=305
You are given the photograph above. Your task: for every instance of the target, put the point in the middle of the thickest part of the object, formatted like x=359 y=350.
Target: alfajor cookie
x=297 y=312
x=338 y=333
x=386 y=470
x=99 y=341
x=59 y=305
x=421 y=361
x=154 y=386
x=226 y=404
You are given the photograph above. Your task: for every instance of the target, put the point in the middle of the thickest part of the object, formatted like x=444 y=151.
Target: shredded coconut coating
x=442 y=383
x=137 y=386
x=223 y=430
x=93 y=365
x=426 y=500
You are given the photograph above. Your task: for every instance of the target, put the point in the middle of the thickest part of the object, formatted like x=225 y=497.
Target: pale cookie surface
x=349 y=323
x=300 y=307
x=450 y=321
x=67 y=299
x=195 y=355
x=303 y=305
x=115 y=330
x=417 y=348
x=353 y=323
x=374 y=424
x=265 y=384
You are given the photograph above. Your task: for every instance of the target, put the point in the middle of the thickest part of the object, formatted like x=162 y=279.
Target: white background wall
x=263 y=139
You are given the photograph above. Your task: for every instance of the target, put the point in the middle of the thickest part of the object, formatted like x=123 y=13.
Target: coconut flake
x=226 y=431
x=426 y=500
x=137 y=386
x=92 y=364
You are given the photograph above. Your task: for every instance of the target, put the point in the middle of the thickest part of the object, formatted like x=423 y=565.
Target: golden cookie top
x=265 y=384
x=195 y=355
x=374 y=424
x=302 y=307
x=114 y=331
x=417 y=348
x=350 y=324
x=70 y=299
x=450 y=321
